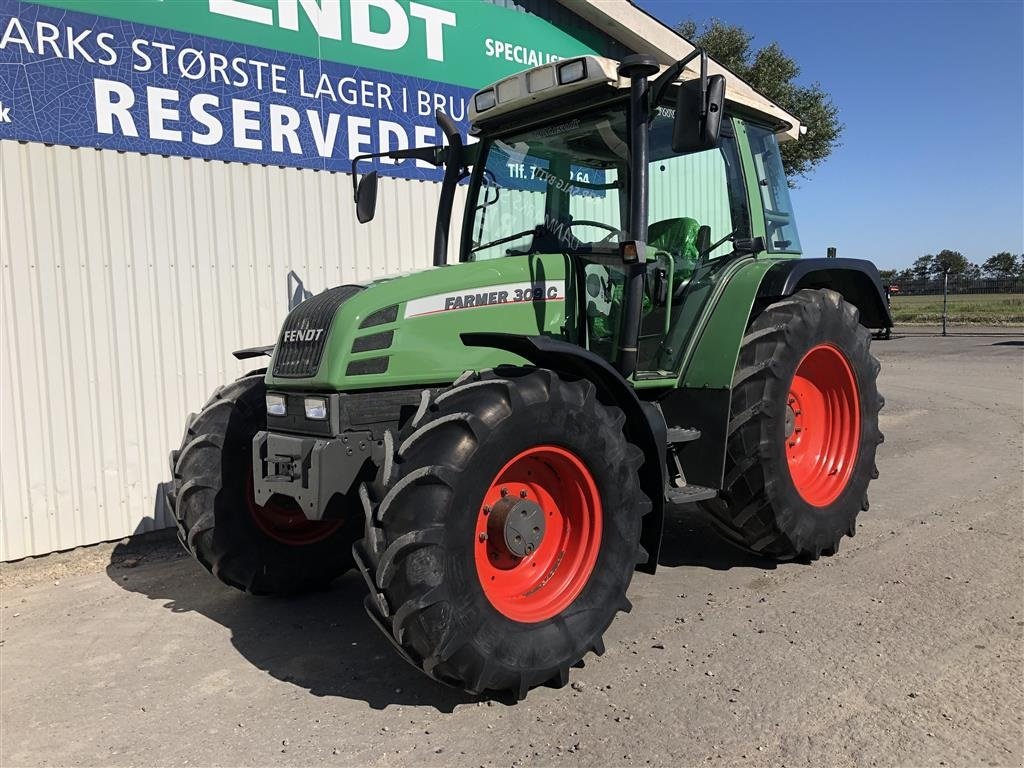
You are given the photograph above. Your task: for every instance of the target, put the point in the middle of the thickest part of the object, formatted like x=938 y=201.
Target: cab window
x=780 y=224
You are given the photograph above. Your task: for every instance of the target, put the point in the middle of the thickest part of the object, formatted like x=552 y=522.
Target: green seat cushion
x=677 y=237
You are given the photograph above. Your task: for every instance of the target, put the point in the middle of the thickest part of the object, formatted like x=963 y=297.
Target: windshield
x=562 y=188
x=557 y=188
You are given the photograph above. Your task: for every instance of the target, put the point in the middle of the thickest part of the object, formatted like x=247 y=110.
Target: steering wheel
x=612 y=231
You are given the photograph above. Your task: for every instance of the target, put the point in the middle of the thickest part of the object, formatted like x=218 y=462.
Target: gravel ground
x=903 y=649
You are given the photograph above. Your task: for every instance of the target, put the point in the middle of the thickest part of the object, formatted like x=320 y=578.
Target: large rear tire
x=803 y=429
x=266 y=550
x=452 y=583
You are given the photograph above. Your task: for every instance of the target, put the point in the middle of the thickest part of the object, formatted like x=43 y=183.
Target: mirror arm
x=432 y=155
x=452 y=173
x=670 y=75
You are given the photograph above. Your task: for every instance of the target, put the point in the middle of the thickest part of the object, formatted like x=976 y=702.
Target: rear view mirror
x=699 y=113
x=366 y=197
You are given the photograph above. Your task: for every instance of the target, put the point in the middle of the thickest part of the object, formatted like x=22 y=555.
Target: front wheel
x=803 y=429
x=270 y=549
x=501 y=539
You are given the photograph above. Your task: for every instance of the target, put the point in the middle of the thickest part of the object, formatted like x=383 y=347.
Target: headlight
x=276 y=405
x=316 y=408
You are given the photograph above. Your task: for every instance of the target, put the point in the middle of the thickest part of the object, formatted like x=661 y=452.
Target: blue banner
x=84 y=80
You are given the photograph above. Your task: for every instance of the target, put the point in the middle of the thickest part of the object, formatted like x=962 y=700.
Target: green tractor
x=494 y=443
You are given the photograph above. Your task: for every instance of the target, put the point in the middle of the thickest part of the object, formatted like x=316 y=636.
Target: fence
x=958 y=304
x=958 y=284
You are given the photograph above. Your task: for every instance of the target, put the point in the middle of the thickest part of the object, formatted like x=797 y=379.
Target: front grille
x=381 y=317
x=366 y=367
x=373 y=341
x=305 y=332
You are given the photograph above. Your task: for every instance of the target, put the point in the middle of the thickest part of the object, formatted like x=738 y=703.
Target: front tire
x=803 y=429
x=266 y=550
x=502 y=538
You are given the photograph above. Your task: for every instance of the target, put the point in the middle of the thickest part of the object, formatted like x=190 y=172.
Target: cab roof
x=642 y=33
x=560 y=79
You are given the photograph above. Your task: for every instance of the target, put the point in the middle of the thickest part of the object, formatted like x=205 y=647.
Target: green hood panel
x=526 y=295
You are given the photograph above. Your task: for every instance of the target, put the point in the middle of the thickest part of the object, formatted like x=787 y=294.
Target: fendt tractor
x=494 y=443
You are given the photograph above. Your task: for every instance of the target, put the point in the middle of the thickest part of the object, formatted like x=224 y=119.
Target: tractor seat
x=678 y=238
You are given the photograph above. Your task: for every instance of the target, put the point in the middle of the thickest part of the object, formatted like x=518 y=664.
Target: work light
x=485 y=100
x=508 y=90
x=276 y=405
x=316 y=408
x=572 y=72
x=540 y=79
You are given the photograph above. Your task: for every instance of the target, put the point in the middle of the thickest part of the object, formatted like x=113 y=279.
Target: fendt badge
x=309 y=334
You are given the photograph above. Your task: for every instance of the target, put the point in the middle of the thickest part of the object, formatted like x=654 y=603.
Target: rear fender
x=645 y=426
x=856 y=279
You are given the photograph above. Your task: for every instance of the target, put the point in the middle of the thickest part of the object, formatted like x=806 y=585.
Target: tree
x=1002 y=264
x=923 y=267
x=773 y=73
x=952 y=262
x=903 y=276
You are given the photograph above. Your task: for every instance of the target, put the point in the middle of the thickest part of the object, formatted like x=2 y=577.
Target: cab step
x=688 y=494
x=682 y=435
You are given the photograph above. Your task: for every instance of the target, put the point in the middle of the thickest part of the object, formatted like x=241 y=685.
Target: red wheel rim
x=542 y=583
x=822 y=425
x=282 y=520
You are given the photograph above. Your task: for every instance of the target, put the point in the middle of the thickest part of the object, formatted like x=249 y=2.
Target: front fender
x=645 y=426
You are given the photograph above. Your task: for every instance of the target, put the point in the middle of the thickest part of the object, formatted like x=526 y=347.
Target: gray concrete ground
x=903 y=649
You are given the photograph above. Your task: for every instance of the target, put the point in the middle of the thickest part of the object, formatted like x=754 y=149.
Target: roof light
x=572 y=72
x=540 y=79
x=508 y=89
x=485 y=100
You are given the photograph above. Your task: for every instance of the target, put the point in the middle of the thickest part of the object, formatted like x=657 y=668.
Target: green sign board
x=462 y=42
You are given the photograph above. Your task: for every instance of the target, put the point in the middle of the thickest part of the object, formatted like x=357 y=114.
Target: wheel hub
x=791 y=413
x=516 y=524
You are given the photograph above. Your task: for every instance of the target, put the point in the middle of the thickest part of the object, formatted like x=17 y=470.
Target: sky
x=932 y=97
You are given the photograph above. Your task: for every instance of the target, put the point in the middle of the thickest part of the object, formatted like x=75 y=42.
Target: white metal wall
x=127 y=280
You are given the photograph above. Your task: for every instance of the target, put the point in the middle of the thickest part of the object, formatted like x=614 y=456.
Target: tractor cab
x=639 y=182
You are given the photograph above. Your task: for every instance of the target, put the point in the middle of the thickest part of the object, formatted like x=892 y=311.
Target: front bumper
x=309 y=469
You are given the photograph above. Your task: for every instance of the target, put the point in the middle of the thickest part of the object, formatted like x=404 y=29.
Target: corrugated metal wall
x=127 y=280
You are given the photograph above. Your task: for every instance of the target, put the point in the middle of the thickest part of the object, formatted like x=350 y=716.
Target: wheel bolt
x=504 y=491
x=487 y=509
x=483 y=536
x=522 y=494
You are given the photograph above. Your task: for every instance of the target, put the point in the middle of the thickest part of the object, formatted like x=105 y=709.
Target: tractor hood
x=404 y=331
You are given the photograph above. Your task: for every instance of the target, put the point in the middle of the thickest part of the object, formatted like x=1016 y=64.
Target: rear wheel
x=803 y=429
x=270 y=549
x=501 y=539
